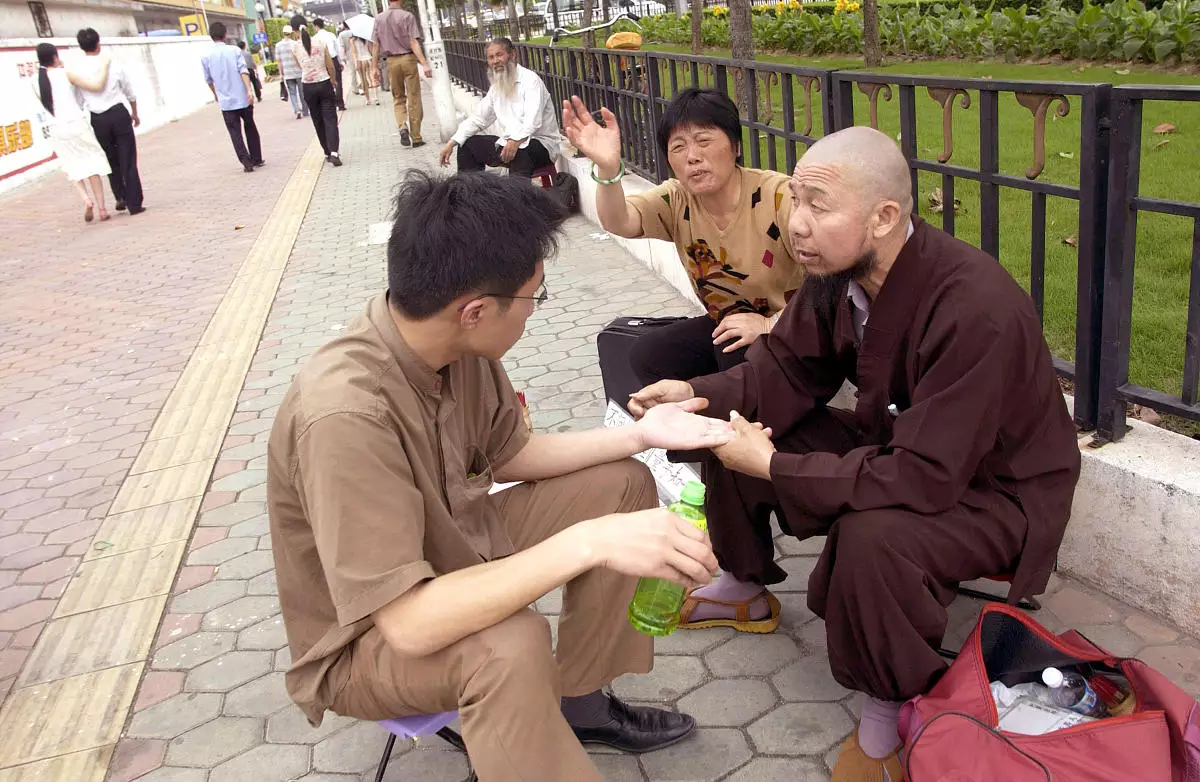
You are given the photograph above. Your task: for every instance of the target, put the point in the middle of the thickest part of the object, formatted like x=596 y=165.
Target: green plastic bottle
x=654 y=609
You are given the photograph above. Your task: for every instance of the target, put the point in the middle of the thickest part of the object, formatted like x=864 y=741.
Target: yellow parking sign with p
x=192 y=25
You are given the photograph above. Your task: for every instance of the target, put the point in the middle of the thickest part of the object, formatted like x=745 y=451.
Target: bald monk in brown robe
x=959 y=461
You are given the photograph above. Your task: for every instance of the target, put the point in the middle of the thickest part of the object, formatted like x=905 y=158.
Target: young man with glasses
x=404 y=581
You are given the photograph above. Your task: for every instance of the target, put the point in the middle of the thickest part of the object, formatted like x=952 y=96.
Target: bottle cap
x=1053 y=678
x=693 y=493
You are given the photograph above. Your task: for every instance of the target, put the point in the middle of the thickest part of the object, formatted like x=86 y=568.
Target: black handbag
x=565 y=190
x=613 y=344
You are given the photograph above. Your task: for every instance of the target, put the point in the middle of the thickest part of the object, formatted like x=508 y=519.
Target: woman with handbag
x=316 y=76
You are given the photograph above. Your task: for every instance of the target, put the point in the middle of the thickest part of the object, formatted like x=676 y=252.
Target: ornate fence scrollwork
x=872 y=90
x=945 y=96
x=1038 y=103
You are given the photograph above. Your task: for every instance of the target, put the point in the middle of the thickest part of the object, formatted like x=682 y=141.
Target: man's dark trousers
x=234 y=120
x=481 y=151
x=114 y=131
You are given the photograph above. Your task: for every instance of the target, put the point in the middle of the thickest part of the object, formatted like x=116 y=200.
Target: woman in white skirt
x=70 y=125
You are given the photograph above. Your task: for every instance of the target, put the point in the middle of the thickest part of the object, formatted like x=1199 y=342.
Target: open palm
x=601 y=143
x=675 y=426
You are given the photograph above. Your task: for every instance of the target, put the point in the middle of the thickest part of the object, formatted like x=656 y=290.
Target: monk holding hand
x=959 y=461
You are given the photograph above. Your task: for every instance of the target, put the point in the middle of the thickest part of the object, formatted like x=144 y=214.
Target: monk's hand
x=509 y=150
x=654 y=543
x=676 y=427
x=749 y=452
x=660 y=393
x=600 y=143
x=740 y=330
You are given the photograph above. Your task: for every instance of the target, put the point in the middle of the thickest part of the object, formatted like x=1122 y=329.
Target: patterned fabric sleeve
x=657 y=207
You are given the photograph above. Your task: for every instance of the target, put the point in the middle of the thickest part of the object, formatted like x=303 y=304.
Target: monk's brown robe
x=960 y=460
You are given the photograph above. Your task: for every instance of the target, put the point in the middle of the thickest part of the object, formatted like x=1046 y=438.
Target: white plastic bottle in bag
x=1071 y=691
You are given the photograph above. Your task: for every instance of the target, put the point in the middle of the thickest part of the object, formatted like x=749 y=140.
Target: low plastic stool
x=416 y=726
x=545 y=175
x=1025 y=603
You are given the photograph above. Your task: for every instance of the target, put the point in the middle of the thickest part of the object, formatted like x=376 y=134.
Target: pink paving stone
x=176 y=626
x=207 y=535
x=16 y=595
x=192 y=576
x=23 y=616
x=31 y=510
x=11 y=661
x=15 y=499
x=10 y=527
x=226 y=467
x=78 y=548
x=11 y=544
x=81 y=531
x=25 y=639
x=214 y=499
x=56 y=520
x=55 y=589
x=251 y=393
x=135 y=758
x=234 y=440
x=8 y=578
x=157 y=686
x=5 y=638
x=49 y=571
x=242 y=417
x=77 y=486
x=30 y=557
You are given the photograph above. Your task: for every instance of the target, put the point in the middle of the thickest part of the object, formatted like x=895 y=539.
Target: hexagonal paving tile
x=353 y=750
x=290 y=726
x=728 y=702
x=801 y=729
x=260 y=698
x=1179 y=663
x=263 y=585
x=692 y=641
x=234 y=513
x=809 y=680
x=241 y=613
x=228 y=671
x=214 y=742
x=264 y=763
x=175 y=715
x=193 y=650
x=618 y=768
x=269 y=634
x=222 y=551
x=708 y=754
x=247 y=565
x=671 y=678
x=208 y=596
x=781 y=770
x=752 y=655
x=798 y=570
x=169 y=774
x=251 y=528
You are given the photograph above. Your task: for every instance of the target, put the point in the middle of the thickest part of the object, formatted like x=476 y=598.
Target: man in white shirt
x=114 y=124
x=330 y=42
x=520 y=105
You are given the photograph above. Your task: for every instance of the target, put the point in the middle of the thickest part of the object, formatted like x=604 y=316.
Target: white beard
x=505 y=80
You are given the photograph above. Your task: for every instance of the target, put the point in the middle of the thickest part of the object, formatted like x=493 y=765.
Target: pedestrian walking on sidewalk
x=397 y=35
x=347 y=57
x=289 y=68
x=113 y=123
x=360 y=53
x=330 y=42
x=316 y=67
x=71 y=135
x=252 y=69
x=226 y=75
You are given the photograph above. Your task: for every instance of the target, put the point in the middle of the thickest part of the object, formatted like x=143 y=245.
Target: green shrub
x=1124 y=30
x=271 y=68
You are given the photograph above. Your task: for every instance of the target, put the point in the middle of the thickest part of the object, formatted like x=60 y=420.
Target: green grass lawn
x=1168 y=171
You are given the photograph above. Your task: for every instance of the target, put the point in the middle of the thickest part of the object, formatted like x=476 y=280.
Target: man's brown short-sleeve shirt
x=395 y=30
x=378 y=475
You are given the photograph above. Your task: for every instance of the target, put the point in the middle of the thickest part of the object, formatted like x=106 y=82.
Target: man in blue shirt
x=226 y=75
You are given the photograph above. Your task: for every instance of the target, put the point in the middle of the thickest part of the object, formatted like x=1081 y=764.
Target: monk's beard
x=504 y=80
x=826 y=290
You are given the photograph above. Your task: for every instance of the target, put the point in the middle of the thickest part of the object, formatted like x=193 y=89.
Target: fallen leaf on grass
x=1122 y=71
x=936 y=204
x=1067 y=155
x=1071 y=241
x=1164 y=128
x=1162 y=143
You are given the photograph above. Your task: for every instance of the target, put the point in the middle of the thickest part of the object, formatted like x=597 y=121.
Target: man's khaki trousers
x=406 y=92
x=505 y=681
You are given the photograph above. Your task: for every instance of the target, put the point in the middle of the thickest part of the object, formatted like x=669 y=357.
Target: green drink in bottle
x=654 y=609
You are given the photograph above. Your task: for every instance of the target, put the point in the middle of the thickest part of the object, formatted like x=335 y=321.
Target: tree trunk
x=871 y=50
x=697 y=21
x=514 y=31
x=554 y=13
x=478 y=20
x=589 y=39
x=742 y=46
x=604 y=17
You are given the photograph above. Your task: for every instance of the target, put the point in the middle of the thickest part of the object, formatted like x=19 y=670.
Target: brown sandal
x=741 y=621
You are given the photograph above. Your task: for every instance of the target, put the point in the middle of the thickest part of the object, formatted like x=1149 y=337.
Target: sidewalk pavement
x=211 y=706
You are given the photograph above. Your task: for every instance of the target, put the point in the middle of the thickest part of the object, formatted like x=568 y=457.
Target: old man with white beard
x=519 y=104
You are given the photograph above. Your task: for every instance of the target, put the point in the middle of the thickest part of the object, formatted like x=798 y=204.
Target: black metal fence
x=784 y=107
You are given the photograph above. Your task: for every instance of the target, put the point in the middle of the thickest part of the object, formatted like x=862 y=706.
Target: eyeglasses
x=540 y=297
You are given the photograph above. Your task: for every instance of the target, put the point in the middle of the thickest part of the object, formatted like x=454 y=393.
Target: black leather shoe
x=637 y=728
x=120 y=206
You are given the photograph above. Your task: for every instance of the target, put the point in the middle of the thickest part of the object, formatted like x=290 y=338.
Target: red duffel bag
x=952 y=735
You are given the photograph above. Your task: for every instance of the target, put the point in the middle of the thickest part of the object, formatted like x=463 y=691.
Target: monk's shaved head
x=866 y=161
